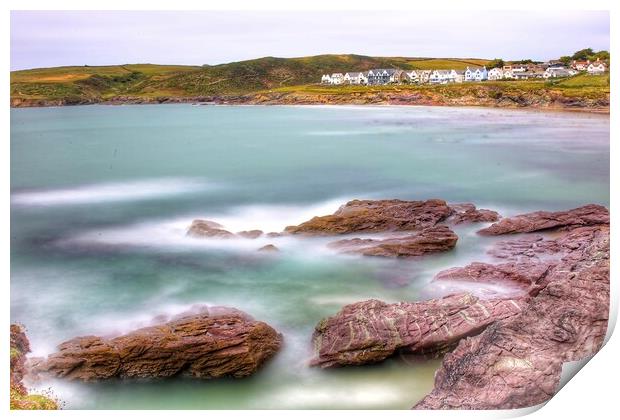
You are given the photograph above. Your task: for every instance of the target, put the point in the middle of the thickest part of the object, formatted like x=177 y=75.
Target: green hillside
x=148 y=80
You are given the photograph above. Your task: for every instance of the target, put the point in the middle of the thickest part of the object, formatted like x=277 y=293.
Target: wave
x=111 y=192
x=172 y=233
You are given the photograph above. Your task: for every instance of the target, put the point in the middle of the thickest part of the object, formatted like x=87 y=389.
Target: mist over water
x=101 y=198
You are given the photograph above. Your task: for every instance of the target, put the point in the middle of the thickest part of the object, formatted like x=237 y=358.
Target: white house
x=443 y=76
x=412 y=76
x=337 y=79
x=507 y=72
x=553 y=72
x=580 y=65
x=326 y=78
x=425 y=75
x=476 y=74
x=355 y=78
x=598 y=67
x=496 y=74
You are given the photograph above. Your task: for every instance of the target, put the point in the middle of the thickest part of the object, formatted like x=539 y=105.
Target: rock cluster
x=212 y=343
x=428 y=241
x=370 y=331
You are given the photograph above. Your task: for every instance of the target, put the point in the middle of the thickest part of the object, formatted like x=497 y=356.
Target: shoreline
x=195 y=101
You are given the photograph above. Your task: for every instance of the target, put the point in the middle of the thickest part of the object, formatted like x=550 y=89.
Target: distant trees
x=589 y=54
x=496 y=62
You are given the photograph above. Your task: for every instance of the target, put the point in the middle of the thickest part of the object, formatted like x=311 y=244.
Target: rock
x=370 y=331
x=591 y=214
x=250 y=234
x=20 y=399
x=212 y=343
x=428 y=241
x=517 y=362
x=526 y=276
x=208 y=229
x=376 y=216
x=468 y=213
x=269 y=248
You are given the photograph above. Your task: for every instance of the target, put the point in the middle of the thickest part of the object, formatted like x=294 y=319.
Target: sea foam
x=110 y=192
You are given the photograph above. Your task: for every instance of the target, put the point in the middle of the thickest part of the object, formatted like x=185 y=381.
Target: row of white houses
x=470 y=74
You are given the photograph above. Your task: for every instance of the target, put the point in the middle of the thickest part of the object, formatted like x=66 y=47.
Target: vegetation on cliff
x=20 y=398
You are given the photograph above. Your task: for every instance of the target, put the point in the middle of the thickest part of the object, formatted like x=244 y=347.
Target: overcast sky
x=55 y=38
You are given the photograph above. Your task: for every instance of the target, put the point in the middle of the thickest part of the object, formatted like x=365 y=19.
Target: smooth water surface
x=101 y=197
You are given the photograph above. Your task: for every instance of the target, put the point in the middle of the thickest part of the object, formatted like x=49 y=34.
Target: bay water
x=101 y=198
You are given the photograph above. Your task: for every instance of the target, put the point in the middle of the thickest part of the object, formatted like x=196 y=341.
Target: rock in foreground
x=517 y=362
x=212 y=343
x=370 y=331
x=428 y=241
x=376 y=216
x=588 y=215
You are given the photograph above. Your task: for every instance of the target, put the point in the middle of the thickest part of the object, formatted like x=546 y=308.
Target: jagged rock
x=591 y=214
x=250 y=234
x=208 y=229
x=517 y=362
x=526 y=276
x=370 y=331
x=428 y=241
x=376 y=216
x=211 y=343
x=468 y=213
x=269 y=248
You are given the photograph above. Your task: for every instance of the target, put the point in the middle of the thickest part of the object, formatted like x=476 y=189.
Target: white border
x=591 y=395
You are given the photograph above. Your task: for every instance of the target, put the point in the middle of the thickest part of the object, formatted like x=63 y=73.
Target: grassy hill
x=93 y=83
x=292 y=77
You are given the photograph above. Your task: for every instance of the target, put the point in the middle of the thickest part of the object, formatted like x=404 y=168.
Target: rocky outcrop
x=468 y=213
x=210 y=343
x=376 y=216
x=517 y=362
x=591 y=214
x=370 y=331
x=20 y=398
x=428 y=241
x=528 y=277
x=208 y=229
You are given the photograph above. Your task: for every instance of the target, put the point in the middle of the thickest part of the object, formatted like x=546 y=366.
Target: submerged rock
x=527 y=277
x=517 y=362
x=468 y=213
x=212 y=343
x=376 y=216
x=208 y=229
x=428 y=241
x=250 y=234
x=591 y=214
x=268 y=248
x=370 y=331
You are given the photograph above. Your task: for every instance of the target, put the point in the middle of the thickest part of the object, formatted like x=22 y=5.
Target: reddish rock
x=268 y=248
x=376 y=216
x=370 y=331
x=250 y=234
x=517 y=362
x=468 y=213
x=527 y=276
x=428 y=241
x=20 y=346
x=591 y=214
x=212 y=343
x=208 y=229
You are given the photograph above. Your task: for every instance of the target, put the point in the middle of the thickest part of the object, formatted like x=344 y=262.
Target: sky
x=57 y=38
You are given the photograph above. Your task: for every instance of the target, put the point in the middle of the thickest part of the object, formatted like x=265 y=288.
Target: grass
x=79 y=84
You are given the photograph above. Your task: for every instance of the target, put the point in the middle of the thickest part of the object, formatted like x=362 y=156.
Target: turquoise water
x=101 y=197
